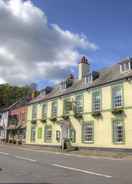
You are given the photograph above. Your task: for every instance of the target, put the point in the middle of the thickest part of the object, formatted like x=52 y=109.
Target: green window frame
x=96 y=100
x=33 y=133
x=48 y=134
x=58 y=135
x=79 y=102
x=13 y=120
x=88 y=132
x=117 y=96
x=34 y=111
x=72 y=135
x=67 y=106
x=54 y=108
x=39 y=133
x=44 y=110
x=118 y=131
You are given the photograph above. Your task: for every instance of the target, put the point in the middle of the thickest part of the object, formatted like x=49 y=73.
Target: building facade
x=17 y=118
x=93 y=111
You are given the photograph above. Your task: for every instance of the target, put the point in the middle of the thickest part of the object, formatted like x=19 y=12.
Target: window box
x=53 y=118
x=96 y=113
x=33 y=121
x=65 y=116
x=117 y=110
x=44 y=120
x=78 y=114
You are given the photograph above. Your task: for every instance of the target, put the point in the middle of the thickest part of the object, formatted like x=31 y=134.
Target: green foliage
x=10 y=94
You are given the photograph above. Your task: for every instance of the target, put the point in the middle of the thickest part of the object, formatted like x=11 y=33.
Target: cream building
x=93 y=111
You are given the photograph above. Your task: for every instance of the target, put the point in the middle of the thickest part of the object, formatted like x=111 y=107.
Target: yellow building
x=93 y=111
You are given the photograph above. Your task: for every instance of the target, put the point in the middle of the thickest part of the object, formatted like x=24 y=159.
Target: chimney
x=83 y=68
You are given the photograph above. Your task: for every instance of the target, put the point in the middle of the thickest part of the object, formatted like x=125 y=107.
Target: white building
x=3 y=125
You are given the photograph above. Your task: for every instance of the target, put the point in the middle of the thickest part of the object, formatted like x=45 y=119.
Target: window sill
x=118 y=143
x=88 y=142
x=48 y=141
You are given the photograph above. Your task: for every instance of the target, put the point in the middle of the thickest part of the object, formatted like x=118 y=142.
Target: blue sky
x=106 y=23
x=43 y=40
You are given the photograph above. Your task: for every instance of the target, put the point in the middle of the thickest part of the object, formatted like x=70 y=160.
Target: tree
x=10 y=94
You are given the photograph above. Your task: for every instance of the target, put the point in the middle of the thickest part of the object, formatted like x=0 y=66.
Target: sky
x=43 y=40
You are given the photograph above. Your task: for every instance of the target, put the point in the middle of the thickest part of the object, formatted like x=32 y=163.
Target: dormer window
x=126 y=66
x=63 y=85
x=88 y=79
x=67 y=83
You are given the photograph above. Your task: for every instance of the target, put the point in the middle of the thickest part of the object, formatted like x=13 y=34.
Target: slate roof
x=106 y=75
x=20 y=103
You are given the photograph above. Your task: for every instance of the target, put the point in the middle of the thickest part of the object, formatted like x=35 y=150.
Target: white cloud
x=31 y=49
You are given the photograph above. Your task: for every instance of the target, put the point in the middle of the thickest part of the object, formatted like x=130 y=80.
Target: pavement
x=27 y=165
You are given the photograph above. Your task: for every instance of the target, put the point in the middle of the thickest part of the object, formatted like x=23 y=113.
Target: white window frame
x=44 y=110
x=33 y=133
x=79 y=103
x=34 y=111
x=54 y=108
x=96 y=102
x=116 y=124
x=117 y=100
x=48 y=134
x=87 y=133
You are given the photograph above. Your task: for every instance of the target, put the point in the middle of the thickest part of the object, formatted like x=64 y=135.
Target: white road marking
x=42 y=151
x=4 y=153
x=72 y=155
x=82 y=171
x=25 y=158
x=18 y=157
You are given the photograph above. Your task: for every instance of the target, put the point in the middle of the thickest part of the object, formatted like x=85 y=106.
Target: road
x=19 y=164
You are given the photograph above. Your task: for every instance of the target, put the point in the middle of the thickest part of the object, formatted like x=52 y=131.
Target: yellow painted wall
x=102 y=126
